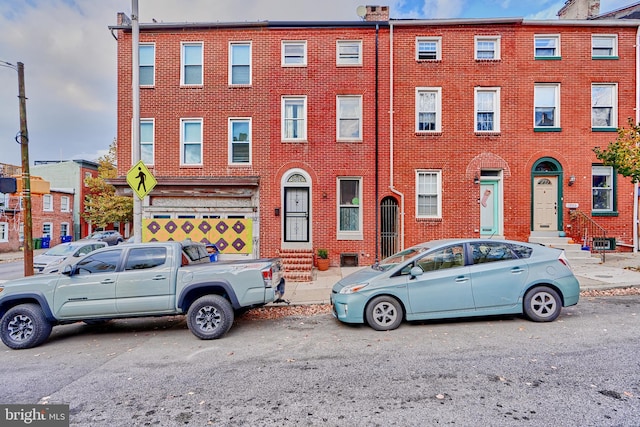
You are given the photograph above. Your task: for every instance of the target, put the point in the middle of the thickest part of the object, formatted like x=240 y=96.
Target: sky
x=69 y=56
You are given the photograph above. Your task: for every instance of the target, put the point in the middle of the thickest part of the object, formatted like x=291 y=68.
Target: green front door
x=489 y=219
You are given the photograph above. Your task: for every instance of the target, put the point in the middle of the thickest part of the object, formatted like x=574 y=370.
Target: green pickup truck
x=136 y=280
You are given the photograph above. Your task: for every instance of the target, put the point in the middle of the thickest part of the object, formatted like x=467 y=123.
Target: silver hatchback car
x=51 y=260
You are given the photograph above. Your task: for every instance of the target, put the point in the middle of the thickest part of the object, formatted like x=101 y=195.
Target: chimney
x=377 y=13
x=579 y=9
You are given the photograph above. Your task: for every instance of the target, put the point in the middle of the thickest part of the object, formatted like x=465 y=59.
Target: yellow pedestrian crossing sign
x=141 y=180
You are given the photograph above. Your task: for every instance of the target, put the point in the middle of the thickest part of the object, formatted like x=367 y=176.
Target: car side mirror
x=67 y=270
x=415 y=272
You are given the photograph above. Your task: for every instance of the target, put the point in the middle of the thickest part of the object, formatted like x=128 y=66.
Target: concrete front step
x=573 y=251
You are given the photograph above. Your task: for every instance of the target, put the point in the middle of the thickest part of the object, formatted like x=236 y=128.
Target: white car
x=51 y=260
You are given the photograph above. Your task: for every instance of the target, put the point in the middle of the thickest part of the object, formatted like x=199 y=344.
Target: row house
x=51 y=215
x=369 y=136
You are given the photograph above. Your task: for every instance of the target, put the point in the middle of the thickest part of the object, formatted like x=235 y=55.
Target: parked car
x=52 y=260
x=112 y=237
x=458 y=278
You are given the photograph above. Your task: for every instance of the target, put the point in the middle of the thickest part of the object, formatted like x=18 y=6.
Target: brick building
x=368 y=136
x=51 y=213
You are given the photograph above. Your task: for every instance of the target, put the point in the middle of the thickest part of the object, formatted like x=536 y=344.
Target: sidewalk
x=620 y=270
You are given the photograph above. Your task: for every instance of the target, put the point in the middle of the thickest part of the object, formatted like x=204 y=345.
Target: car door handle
x=107 y=281
x=517 y=270
x=158 y=277
x=462 y=279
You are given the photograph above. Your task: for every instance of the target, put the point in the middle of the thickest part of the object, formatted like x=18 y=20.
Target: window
x=602 y=188
x=145 y=258
x=428 y=49
x=239 y=141
x=191 y=142
x=87 y=175
x=294 y=118
x=348 y=52
x=240 y=63
x=294 y=53
x=103 y=262
x=547 y=107
x=4 y=231
x=487 y=109
x=147 y=58
x=547 y=46
x=47 y=229
x=147 y=136
x=604 y=112
x=191 y=70
x=21 y=232
x=604 y=46
x=4 y=200
x=449 y=257
x=349 y=208
x=47 y=203
x=64 y=229
x=349 y=125
x=428 y=194
x=487 y=48
x=64 y=204
x=428 y=109
x=491 y=252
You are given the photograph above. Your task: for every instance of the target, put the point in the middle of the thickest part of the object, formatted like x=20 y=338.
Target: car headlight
x=353 y=288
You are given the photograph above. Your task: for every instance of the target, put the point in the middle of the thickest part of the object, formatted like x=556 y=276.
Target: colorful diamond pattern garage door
x=231 y=236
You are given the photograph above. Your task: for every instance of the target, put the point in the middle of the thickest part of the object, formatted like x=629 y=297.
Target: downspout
x=391 y=149
x=636 y=186
x=377 y=158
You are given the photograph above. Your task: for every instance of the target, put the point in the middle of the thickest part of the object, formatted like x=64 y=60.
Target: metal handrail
x=587 y=230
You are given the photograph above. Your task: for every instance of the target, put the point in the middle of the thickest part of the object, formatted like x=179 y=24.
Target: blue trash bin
x=46 y=242
x=213 y=252
x=65 y=239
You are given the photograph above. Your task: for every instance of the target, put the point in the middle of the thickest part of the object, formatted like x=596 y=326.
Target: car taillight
x=563 y=259
x=267 y=276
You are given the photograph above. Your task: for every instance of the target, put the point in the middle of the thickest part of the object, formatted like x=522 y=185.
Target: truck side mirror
x=67 y=270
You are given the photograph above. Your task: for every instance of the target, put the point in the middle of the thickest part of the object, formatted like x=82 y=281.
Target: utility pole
x=23 y=140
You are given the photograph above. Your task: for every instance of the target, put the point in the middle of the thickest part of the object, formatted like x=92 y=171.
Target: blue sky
x=69 y=55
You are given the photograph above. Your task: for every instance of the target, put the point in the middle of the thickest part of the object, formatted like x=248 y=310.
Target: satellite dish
x=361 y=11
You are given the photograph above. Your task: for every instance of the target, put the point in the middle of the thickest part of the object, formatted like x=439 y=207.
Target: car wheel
x=24 y=326
x=210 y=317
x=542 y=304
x=384 y=313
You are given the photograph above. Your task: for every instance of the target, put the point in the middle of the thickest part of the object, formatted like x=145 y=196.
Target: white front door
x=545 y=203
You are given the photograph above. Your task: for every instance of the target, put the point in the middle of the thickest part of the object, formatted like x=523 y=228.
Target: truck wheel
x=24 y=326
x=210 y=317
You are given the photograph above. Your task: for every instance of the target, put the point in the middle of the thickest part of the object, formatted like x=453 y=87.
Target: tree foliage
x=623 y=153
x=102 y=205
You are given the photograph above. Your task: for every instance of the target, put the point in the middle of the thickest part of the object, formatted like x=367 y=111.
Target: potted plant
x=323 y=259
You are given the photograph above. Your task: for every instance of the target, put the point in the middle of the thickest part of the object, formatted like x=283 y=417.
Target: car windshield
x=399 y=257
x=61 y=250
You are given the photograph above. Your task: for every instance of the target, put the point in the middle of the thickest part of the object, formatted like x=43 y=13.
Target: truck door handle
x=107 y=281
x=158 y=277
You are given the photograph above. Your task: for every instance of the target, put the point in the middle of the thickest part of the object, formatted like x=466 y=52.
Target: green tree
x=623 y=153
x=102 y=205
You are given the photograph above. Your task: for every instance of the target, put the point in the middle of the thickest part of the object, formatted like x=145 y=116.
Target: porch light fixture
x=476 y=180
x=572 y=180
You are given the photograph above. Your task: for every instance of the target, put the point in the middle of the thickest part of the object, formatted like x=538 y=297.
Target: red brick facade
x=390 y=151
